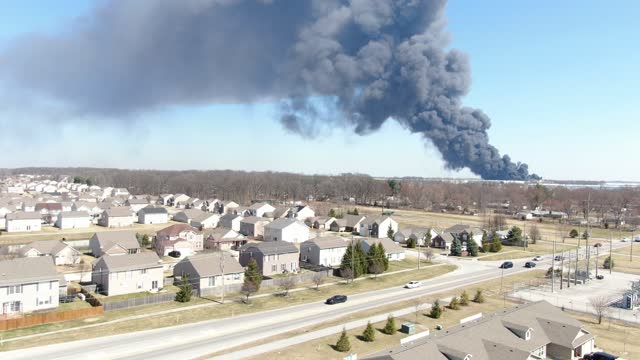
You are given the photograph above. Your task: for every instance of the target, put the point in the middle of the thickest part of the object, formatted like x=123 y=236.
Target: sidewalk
x=187 y=308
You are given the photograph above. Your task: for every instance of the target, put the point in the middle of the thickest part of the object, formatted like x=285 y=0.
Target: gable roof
x=280 y=224
x=23 y=216
x=49 y=206
x=208 y=265
x=25 y=270
x=121 y=211
x=353 y=220
x=230 y=217
x=125 y=239
x=254 y=220
x=153 y=210
x=176 y=229
x=143 y=260
x=389 y=245
x=74 y=214
x=222 y=233
x=327 y=242
x=257 y=206
x=45 y=247
x=270 y=247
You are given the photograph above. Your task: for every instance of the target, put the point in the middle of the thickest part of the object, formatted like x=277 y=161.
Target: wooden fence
x=39 y=319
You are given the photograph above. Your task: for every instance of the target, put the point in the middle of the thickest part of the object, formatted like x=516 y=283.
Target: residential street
x=207 y=337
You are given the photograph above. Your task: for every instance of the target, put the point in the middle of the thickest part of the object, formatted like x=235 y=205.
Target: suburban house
x=253 y=226
x=206 y=271
x=224 y=239
x=116 y=217
x=23 y=221
x=61 y=253
x=225 y=207
x=259 y=209
x=136 y=204
x=173 y=238
x=129 y=273
x=28 y=205
x=322 y=222
x=231 y=221
x=353 y=222
x=120 y=192
x=377 y=226
x=73 y=220
x=442 y=241
x=165 y=199
x=416 y=234
x=197 y=218
x=49 y=211
x=273 y=257
x=114 y=243
x=338 y=225
x=289 y=230
x=531 y=331
x=180 y=198
x=153 y=215
x=393 y=251
x=303 y=212
x=463 y=232
x=325 y=251
x=279 y=213
x=29 y=284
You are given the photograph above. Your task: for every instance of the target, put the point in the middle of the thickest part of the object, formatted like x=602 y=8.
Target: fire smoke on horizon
x=357 y=63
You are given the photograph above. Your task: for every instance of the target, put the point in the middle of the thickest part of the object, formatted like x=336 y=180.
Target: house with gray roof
x=61 y=253
x=325 y=251
x=116 y=217
x=114 y=243
x=23 y=221
x=393 y=251
x=289 y=230
x=197 y=218
x=531 y=331
x=273 y=257
x=377 y=226
x=207 y=271
x=231 y=221
x=259 y=209
x=29 y=284
x=73 y=220
x=129 y=273
x=153 y=215
x=253 y=226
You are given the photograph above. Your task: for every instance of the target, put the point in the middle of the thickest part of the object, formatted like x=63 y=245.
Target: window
x=154 y=284
x=143 y=271
x=283 y=267
x=274 y=268
x=212 y=281
x=236 y=276
x=50 y=285
x=37 y=286
x=15 y=306
x=15 y=289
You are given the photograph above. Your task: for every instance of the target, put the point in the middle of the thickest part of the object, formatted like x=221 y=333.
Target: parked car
x=538 y=258
x=529 y=264
x=600 y=355
x=336 y=299
x=637 y=239
x=558 y=258
x=506 y=265
x=413 y=284
x=174 y=254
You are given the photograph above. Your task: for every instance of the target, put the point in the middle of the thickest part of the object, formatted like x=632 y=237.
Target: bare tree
x=534 y=234
x=417 y=304
x=600 y=305
x=347 y=273
x=318 y=279
x=248 y=288
x=376 y=268
x=428 y=254
x=288 y=283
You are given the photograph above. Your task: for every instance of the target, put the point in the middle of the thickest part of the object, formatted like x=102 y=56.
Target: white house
x=23 y=221
x=165 y=199
x=393 y=251
x=73 y=220
x=114 y=243
x=126 y=274
x=325 y=251
x=61 y=253
x=253 y=226
x=377 y=226
x=231 y=221
x=171 y=238
x=289 y=230
x=116 y=217
x=28 y=284
x=136 y=204
x=153 y=215
x=259 y=209
x=303 y=212
x=207 y=271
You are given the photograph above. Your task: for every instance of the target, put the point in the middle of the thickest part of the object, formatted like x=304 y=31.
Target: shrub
x=479 y=297
x=608 y=263
x=411 y=243
x=343 y=344
x=454 y=304
x=464 y=298
x=184 y=295
x=390 y=327
x=369 y=333
x=436 y=310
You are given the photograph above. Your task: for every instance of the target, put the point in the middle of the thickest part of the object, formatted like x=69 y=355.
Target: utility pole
x=597 y=253
x=631 y=248
x=562 y=271
x=222 y=273
x=553 y=266
x=588 y=235
x=610 y=252
x=575 y=274
x=524 y=235
x=353 y=261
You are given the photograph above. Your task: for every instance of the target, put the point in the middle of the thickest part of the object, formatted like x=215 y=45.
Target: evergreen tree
x=514 y=235
x=608 y=263
x=464 y=298
x=343 y=344
x=436 y=310
x=369 y=333
x=456 y=247
x=382 y=254
x=332 y=213
x=573 y=233
x=184 y=295
x=479 y=297
x=496 y=244
x=427 y=238
x=411 y=243
x=355 y=211
x=390 y=232
x=355 y=259
x=252 y=274
x=454 y=304
x=585 y=235
x=390 y=327
x=472 y=246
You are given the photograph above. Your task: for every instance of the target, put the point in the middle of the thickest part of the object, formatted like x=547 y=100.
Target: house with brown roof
x=210 y=270
x=114 y=243
x=181 y=237
x=273 y=257
x=29 y=284
x=49 y=211
x=325 y=251
x=531 y=331
x=130 y=273
x=116 y=217
x=223 y=239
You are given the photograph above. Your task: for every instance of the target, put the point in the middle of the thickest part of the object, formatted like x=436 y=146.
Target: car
x=538 y=258
x=558 y=258
x=506 y=265
x=529 y=264
x=174 y=254
x=600 y=355
x=336 y=299
x=413 y=284
x=624 y=239
x=637 y=239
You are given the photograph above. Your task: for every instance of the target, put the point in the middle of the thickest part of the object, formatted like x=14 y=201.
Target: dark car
x=336 y=299
x=558 y=258
x=599 y=355
x=506 y=265
x=529 y=264
x=174 y=254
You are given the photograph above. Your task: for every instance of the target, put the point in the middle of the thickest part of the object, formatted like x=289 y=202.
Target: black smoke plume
x=357 y=62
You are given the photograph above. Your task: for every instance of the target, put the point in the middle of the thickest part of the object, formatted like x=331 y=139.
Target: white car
x=538 y=258
x=413 y=284
x=624 y=239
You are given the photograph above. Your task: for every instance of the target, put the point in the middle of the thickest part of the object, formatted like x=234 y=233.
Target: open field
x=622 y=263
x=230 y=308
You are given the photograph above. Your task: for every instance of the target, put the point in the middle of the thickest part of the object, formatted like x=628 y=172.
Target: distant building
x=23 y=221
x=153 y=215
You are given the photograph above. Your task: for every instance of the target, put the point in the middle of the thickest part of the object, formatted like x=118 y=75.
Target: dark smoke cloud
x=357 y=62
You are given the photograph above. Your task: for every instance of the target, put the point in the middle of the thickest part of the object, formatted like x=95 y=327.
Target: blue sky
x=558 y=79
